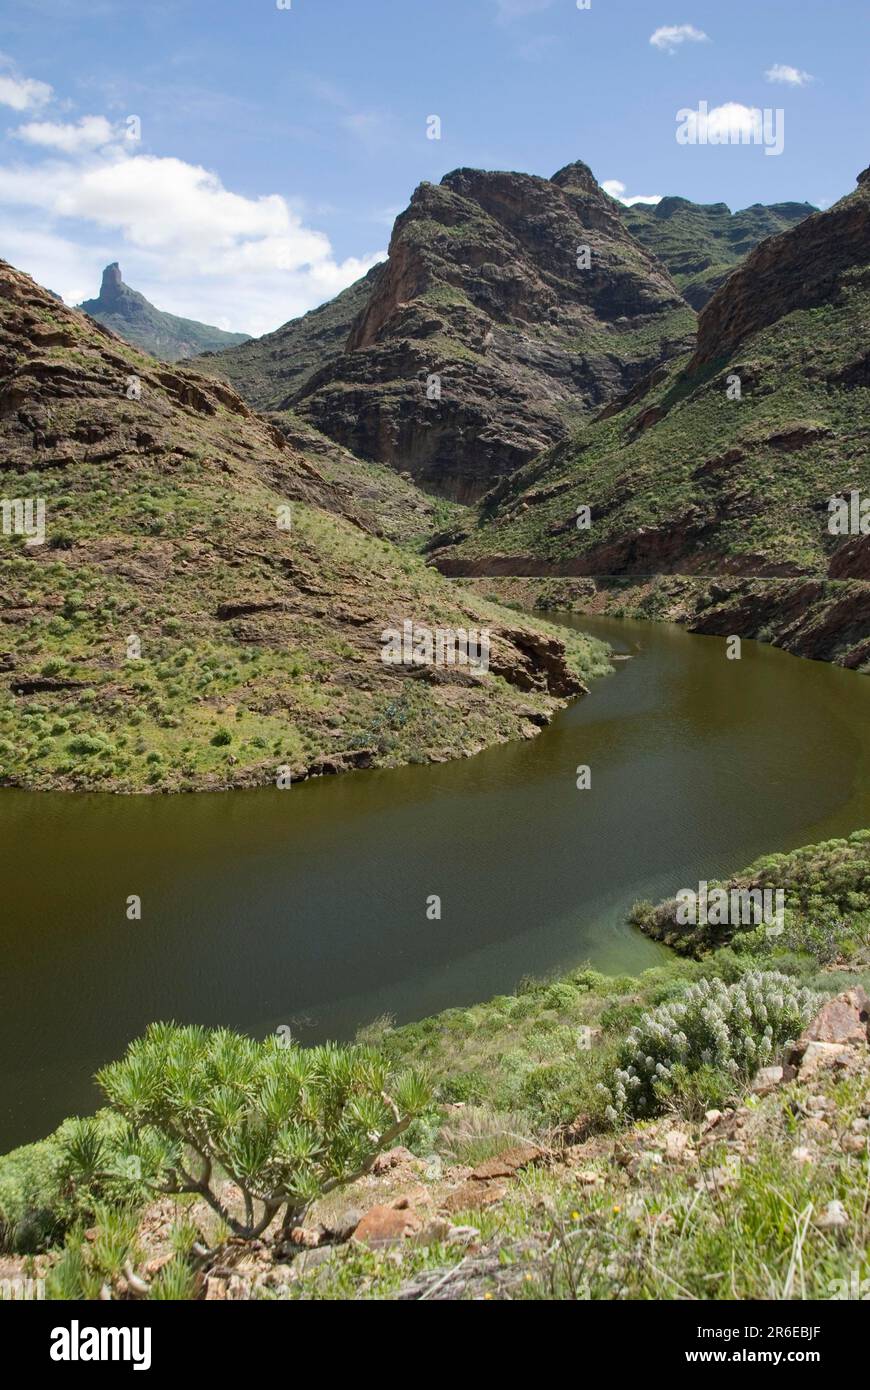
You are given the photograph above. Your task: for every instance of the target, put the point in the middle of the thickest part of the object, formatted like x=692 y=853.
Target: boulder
x=384 y=1225
x=507 y=1164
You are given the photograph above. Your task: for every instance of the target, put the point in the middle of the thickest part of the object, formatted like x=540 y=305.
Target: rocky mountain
x=701 y=243
x=204 y=605
x=272 y=372
x=510 y=306
x=129 y=314
x=709 y=484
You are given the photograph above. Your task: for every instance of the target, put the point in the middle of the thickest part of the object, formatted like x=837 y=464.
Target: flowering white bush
x=734 y=1028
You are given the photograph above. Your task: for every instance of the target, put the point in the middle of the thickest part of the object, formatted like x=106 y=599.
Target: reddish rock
x=767 y=1079
x=818 y=1056
x=507 y=1164
x=391 y=1159
x=307 y=1238
x=841 y=1020
x=387 y=1225
x=473 y=1195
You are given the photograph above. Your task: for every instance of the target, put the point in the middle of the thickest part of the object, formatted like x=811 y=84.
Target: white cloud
x=89 y=133
x=616 y=189
x=732 y=119
x=187 y=242
x=669 y=37
x=59 y=265
x=21 y=93
x=792 y=77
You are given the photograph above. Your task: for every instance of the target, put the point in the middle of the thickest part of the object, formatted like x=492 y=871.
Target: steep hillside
x=482 y=338
x=701 y=243
x=272 y=372
x=129 y=314
x=721 y=466
x=205 y=606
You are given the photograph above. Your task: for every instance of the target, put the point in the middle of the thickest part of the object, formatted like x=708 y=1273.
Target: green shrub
x=561 y=995
x=37 y=1200
x=286 y=1124
x=732 y=1028
x=30 y=1196
x=84 y=744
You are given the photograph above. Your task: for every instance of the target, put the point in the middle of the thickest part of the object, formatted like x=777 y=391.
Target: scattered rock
x=383 y=1225
x=833 y=1218
x=391 y=1159
x=840 y=1020
x=507 y=1164
x=473 y=1195
x=803 y=1155
x=676 y=1144
x=818 y=1056
x=307 y=1260
x=308 y=1238
x=767 y=1079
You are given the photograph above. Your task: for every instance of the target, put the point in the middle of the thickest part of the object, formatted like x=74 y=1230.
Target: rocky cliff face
x=723 y=464
x=483 y=303
x=482 y=339
x=129 y=314
x=797 y=270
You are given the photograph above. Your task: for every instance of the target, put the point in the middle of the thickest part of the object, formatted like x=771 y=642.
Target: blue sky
x=277 y=145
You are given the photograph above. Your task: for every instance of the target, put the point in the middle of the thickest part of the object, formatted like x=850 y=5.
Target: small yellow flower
x=617 y=1210
x=575 y=1216
x=487 y=1295
x=528 y=1278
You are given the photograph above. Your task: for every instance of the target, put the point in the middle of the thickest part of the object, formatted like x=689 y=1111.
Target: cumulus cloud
x=723 y=124
x=192 y=245
x=617 y=190
x=669 y=37
x=79 y=194
x=89 y=133
x=792 y=77
x=21 y=93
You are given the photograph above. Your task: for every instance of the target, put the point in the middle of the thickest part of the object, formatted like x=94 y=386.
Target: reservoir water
x=308 y=907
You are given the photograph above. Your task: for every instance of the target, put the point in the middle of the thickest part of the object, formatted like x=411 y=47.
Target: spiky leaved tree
x=287 y=1124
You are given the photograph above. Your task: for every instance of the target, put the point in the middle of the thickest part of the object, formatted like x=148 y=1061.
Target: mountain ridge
x=135 y=319
x=486 y=332
x=709 y=483
x=702 y=243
